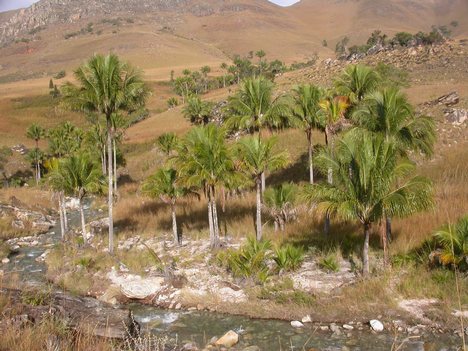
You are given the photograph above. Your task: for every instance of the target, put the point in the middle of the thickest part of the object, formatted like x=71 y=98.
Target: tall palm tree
x=308 y=115
x=77 y=176
x=356 y=82
x=389 y=114
x=224 y=67
x=36 y=133
x=368 y=183
x=58 y=193
x=204 y=161
x=107 y=86
x=197 y=111
x=256 y=156
x=334 y=109
x=163 y=184
x=254 y=108
x=205 y=70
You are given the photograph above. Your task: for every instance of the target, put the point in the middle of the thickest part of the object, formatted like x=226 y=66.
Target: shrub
x=289 y=257
x=452 y=242
x=330 y=262
x=35 y=297
x=249 y=261
x=172 y=102
x=403 y=38
x=61 y=74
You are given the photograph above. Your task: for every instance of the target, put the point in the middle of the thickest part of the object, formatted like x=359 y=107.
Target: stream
x=199 y=328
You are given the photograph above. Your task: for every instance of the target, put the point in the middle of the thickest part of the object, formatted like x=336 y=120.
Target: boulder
x=376 y=325
x=136 y=287
x=297 y=324
x=449 y=99
x=456 y=116
x=99 y=226
x=228 y=340
x=5 y=260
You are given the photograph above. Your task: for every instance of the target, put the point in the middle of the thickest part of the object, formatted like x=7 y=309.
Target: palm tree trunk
x=259 y=210
x=83 y=222
x=263 y=182
x=282 y=225
x=311 y=166
x=276 y=225
x=388 y=228
x=329 y=142
x=177 y=240
x=64 y=210
x=215 y=220
x=384 y=243
x=114 y=150
x=62 y=224
x=365 y=251
x=210 y=220
x=110 y=199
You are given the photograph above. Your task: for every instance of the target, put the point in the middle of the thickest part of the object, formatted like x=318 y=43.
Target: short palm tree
x=280 y=204
x=308 y=116
x=77 y=176
x=204 y=161
x=453 y=240
x=163 y=184
x=167 y=143
x=356 y=82
x=106 y=86
x=197 y=111
x=368 y=183
x=256 y=156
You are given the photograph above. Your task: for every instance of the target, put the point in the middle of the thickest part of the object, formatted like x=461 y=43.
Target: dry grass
x=32 y=198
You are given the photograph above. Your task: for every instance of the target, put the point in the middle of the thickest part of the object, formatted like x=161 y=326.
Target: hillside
x=54 y=35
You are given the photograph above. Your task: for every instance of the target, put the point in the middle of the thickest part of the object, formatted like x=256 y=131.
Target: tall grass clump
x=288 y=257
x=249 y=262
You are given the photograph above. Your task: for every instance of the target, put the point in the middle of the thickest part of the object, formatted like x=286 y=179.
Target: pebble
x=348 y=327
x=297 y=324
x=307 y=319
x=376 y=325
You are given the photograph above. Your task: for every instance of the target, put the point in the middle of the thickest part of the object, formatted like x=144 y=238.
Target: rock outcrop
x=86 y=314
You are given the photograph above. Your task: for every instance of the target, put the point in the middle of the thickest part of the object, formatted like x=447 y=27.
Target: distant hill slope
x=163 y=34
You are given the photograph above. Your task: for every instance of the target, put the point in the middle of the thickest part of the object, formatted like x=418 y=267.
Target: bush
x=452 y=244
x=288 y=257
x=172 y=102
x=249 y=261
x=35 y=298
x=61 y=74
x=330 y=262
x=403 y=38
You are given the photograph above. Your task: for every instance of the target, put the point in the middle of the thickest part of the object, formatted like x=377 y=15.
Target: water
x=200 y=327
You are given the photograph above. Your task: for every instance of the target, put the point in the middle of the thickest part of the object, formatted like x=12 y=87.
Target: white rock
x=228 y=340
x=6 y=260
x=306 y=319
x=297 y=324
x=348 y=327
x=376 y=325
x=134 y=286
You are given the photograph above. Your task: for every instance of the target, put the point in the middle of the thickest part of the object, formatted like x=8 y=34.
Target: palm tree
x=204 y=161
x=58 y=193
x=167 y=142
x=256 y=156
x=389 y=114
x=205 y=70
x=453 y=240
x=36 y=157
x=368 y=183
x=107 y=86
x=308 y=115
x=163 y=184
x=224 y=67
x=356 y=82
x=334 y=109
x=280 y=203
x=36 y=133
x=253 y=108
x=197 y=111
x=77 y=176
